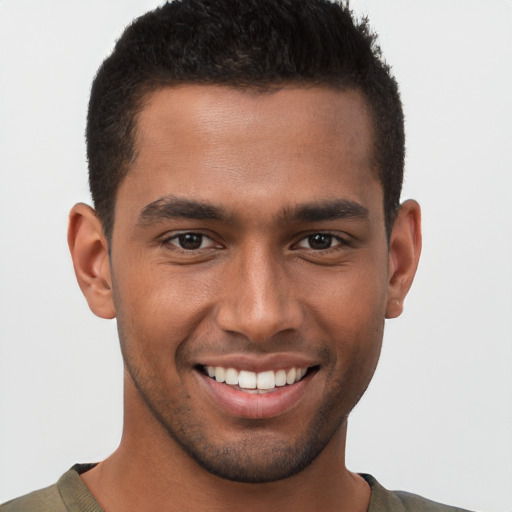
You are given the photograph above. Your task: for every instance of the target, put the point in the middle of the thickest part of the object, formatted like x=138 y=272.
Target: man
x=246 y=162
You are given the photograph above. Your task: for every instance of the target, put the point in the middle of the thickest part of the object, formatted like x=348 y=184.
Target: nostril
x=259 y=321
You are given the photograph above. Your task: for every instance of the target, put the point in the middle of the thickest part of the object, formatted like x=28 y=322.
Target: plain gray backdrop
x=437 y=419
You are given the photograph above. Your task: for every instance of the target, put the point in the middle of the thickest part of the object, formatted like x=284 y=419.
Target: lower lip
x=251 y=405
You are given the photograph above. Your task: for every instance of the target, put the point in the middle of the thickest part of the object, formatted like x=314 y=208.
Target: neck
x=150 y=471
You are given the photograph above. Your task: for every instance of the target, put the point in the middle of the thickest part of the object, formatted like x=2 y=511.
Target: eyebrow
x=325 y=210
x=173 y=207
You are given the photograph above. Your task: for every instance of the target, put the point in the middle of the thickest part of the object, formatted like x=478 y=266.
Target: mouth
x=257 y=382
x=257 y=387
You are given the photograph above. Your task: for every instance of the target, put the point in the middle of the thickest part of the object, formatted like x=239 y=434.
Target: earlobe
x=404 y=253
x=89 y=251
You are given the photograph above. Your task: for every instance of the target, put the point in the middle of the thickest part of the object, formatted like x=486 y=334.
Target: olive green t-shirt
x=70 y=494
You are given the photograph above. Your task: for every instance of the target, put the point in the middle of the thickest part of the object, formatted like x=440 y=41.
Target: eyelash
x=169 y=240
x=341 y=242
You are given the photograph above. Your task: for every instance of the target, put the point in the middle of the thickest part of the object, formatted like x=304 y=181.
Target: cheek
x=348 y=298
x=158 y=306
x=350 y=314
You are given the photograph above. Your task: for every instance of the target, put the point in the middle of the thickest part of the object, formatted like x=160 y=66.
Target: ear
x=89 y=251
x=404 y=254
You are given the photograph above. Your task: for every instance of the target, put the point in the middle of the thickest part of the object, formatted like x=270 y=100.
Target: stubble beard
x=257 y=455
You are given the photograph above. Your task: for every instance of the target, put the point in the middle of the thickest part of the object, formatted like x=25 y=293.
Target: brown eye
x=320 y=241
x=190 y=241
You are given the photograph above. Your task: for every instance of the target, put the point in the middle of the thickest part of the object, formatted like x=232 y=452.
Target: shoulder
x=69 y=494
x=383 y=500
x=44 y=500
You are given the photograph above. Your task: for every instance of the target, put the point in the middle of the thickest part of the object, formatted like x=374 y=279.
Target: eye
x=190 y=241
x=320 y=242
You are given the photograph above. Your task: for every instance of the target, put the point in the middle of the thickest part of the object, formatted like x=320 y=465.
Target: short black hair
x=244 y=44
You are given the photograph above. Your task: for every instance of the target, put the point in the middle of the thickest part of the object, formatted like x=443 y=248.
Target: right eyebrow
x=173 y=207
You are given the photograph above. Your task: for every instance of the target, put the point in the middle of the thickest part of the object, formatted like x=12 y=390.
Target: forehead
x=216 y=143
x=320 y=117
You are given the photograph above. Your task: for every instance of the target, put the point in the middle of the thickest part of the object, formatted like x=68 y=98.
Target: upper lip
x=260 y=363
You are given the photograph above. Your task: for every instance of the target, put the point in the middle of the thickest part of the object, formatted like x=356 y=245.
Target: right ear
x=89 y=251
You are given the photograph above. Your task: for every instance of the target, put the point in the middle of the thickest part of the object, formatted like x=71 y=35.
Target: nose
x=258 y=297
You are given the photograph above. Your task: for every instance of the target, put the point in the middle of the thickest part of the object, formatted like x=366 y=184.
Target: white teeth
x=231 y=377
x=280 y=377
x=266 y=380
x=219 y=374
x=252 y=380
x=247 y=380
x=290 y=376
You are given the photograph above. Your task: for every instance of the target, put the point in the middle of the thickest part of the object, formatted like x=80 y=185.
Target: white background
x=437 y=419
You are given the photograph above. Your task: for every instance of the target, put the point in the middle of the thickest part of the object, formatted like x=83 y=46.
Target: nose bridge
x=258 y=301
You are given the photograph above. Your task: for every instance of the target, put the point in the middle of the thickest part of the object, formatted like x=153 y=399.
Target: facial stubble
x=257 y=454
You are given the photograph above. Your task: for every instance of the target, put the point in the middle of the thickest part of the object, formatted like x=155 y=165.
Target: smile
x=255 y=382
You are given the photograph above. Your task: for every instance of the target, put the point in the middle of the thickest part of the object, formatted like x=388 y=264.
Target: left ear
x=404 y=254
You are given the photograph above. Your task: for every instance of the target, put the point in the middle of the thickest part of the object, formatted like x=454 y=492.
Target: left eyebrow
x=327 y=210
x=172 y=207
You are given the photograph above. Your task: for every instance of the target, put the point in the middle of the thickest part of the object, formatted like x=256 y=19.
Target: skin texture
x=287 y=264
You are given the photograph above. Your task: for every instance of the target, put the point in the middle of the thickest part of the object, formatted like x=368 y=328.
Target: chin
x=241 y=462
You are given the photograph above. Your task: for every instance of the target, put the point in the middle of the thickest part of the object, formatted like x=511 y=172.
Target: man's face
x=249 y=244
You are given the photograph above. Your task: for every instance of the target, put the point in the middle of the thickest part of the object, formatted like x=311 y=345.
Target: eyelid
x=167 y=239
x=342 y=240
x=171 y=236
